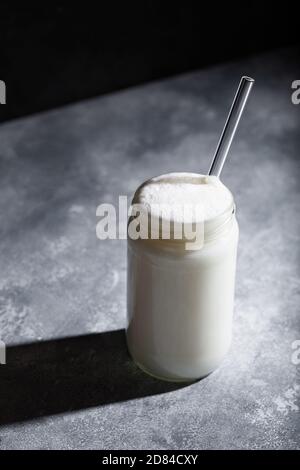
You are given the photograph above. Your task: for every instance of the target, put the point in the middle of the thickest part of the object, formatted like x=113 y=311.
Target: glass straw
x=231 y=124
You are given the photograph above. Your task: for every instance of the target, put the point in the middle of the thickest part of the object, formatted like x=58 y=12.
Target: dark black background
x=54 y=53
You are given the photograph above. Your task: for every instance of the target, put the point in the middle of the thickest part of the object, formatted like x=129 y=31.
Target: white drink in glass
x=179 y=300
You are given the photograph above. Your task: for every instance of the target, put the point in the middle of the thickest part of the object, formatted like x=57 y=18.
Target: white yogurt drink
x=180 y=300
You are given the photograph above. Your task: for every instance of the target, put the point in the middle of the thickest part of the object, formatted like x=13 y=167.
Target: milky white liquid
x=180 y=302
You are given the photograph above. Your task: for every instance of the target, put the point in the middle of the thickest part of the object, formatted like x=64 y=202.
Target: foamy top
x=184 y=193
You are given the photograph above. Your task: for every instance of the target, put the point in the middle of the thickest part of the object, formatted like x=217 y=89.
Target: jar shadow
x=61 y=375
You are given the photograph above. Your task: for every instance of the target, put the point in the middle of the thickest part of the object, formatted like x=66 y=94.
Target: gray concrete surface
x=68 y=382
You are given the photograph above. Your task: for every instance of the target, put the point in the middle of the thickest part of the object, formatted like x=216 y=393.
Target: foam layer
x=182 y=191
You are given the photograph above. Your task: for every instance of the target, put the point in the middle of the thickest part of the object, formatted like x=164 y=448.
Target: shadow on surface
x=61 y=375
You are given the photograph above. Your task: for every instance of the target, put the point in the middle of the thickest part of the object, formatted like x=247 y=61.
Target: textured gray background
x=68 y=382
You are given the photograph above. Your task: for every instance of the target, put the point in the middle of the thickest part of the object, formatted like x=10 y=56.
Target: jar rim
x=212 y=227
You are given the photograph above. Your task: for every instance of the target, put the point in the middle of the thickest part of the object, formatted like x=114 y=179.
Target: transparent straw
x=231 y=124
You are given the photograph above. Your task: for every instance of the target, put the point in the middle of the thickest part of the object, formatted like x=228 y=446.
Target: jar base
x=163 y=377
x=160 y=377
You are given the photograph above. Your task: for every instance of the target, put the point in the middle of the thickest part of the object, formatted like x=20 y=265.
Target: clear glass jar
x=180 y=302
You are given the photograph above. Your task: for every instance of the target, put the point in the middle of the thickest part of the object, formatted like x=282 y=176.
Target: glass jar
x=180 y=301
